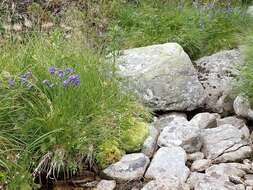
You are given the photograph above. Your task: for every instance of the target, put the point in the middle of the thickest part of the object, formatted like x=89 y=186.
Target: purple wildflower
x=52 y=70
x=68 y=70
x=65 y=83
x=60 y=73
x=11 y=82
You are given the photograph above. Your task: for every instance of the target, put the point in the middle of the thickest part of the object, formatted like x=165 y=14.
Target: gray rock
x=225 y=170
x=242 y=107
x=211 y=183
x=168 y=163
x=165 y=184
x=205 y=120
x=236 y=122
x=163 y=77
x=195 y=156
x=173 y=117
x=130 y=167
x=249 y=188
x=216 y=74
x=225 y=143
x=194 y=178
x=249 y=179
x=200 y=181
x=200 y=165
x=181 y=134
x=106 y=185
x=150 y=144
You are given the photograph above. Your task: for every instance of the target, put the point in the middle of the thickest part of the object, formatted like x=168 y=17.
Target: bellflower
x=52 y=70
x=60 y=73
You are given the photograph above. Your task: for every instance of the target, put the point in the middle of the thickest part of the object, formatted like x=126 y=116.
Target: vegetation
x=244 y=84
x=61 y=109
x=58 y=105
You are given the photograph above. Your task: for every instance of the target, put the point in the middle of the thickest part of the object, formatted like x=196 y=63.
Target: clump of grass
x=244 y=83
x=201 y=30
x=60 y=109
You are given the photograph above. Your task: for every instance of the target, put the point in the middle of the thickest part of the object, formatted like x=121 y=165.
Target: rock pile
x=210 y=150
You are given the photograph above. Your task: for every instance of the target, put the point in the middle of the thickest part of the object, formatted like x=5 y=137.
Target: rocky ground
x=200 y=138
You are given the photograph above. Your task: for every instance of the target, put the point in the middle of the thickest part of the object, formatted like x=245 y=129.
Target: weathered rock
x=249 y=179
x=106 y=185
x=130 y=167
x=236 y=122
x=225 y=170
x=168 y=163
x=181 y=134
x=240 y=187
x=249 y=188
x=200 y=181
x=242 y=107
x=174 y=117
x=163 y=76
x=200 y=165
x=225 y=143
x=216 y=73
x=205 y=120
x=150 y=144
x=165 y=184
x=194 y=178
x=195 y=156
x=210 y=183
x=236 y=180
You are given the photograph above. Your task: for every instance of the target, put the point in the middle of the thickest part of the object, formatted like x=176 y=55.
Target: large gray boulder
x=163 y=76
x=225 y=143
x=169 y=163
x=216 y=74
x=130 y=167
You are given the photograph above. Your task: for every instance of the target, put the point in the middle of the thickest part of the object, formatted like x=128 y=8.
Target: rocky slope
x=208 y=150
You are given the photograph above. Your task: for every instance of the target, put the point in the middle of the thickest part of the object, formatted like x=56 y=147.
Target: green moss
x=108 y=153
x=133 y=138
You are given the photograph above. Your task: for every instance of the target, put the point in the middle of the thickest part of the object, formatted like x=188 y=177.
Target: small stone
x=242 y=107
x=168 y=163
x=235 y=179
x=150 y=144
x=240 y=187
x=174 y=117
x=200 y=165
x=195 y=156
x=181 y=134
x=249 y=188
x=225 y=170
x=165 y=184
x=106 y=185
x=130 y=167
x=205 y=120
x=225 y=143
x=249 y=179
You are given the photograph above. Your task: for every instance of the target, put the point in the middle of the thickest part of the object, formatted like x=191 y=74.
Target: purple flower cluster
x=67 y=77
x=23 y=79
